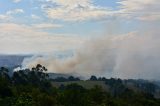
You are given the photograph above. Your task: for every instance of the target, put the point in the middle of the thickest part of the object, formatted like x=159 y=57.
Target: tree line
x=33 y=87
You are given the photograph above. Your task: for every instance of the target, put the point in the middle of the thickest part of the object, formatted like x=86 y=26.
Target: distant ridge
x=12 y=61
x=56 y=75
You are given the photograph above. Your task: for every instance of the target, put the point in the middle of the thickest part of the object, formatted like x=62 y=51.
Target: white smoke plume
x=133 y=55
x=87 y=59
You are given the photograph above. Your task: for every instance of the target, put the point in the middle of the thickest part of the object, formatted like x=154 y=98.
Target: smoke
x=139 y=56
x=90 y=58
x=132 y=55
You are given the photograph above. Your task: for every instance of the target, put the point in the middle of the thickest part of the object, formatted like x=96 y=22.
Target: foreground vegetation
x=34 y=88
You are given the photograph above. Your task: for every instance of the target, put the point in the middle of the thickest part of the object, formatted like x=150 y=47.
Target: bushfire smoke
x=133 y=55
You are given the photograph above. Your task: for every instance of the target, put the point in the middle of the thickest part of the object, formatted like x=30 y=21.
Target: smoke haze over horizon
x=112 y=38
x=125 y=56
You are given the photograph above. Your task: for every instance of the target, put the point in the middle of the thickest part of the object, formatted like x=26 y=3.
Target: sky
x=36 y=26
x=119 y=36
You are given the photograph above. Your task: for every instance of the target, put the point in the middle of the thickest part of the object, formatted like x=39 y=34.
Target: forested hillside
x=35 y=88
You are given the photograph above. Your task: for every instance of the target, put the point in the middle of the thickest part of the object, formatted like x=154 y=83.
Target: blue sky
x=33 y=8
x=79 y=18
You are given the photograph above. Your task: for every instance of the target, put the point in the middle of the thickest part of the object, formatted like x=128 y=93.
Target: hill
x=33 y=87
x=115 y=86
x=11 y=61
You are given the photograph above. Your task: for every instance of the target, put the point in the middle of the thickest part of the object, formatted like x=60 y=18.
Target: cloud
x=26 y=39
x=8 y=16
x=33 y=16
x=71 y=2
x=17 y=1
x=4 y=17
x=15 y=11
x=46 y=26
x=75 y=10
x=81 y=10
x=140 y=9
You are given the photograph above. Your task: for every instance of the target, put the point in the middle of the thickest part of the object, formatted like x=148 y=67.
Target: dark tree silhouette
x=93 y=78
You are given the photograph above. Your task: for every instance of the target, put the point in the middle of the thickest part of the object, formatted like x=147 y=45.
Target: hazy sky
x=115 y=38
x=38 y=26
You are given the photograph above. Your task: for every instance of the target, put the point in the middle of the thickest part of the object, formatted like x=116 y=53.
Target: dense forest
x=33 y=87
